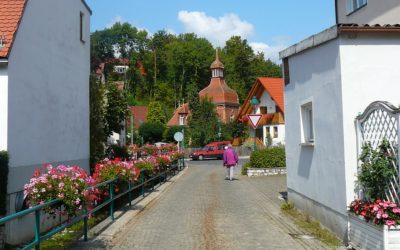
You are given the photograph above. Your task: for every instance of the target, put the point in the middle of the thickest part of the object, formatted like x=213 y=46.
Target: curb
x=106 y=232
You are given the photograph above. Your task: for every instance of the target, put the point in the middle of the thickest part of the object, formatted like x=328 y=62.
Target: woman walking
x=230 y=160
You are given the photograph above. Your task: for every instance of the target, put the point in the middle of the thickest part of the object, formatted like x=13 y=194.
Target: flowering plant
x=168 y=148
x=175 y=155
x=149 y=149
x=111 y=169
x=162 y=161
x=146 y=164
x=62 y=182
x=378 y=212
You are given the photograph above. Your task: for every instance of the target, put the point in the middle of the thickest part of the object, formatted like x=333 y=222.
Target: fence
x=379 y=121
x=162 y=177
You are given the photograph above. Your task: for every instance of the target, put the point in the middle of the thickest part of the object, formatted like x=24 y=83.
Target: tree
x=97 y=121
x=116 y=109
x=156 y=113
x=151 y=132
x=203 y=123
x=169 y=133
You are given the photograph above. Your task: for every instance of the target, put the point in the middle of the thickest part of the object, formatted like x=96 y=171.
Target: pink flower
x=390 y=222
x=60 y=195
x=396 y=210
x=385 y=216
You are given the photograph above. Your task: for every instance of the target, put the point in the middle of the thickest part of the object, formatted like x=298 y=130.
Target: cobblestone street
x=204 y=211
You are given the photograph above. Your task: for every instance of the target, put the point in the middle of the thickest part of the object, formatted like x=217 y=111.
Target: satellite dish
x=178 y=136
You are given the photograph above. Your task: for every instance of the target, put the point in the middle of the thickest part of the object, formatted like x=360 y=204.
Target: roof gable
x=273 y=86
x=11 y=12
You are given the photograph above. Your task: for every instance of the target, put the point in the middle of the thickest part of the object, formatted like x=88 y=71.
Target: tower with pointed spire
x=225 y=99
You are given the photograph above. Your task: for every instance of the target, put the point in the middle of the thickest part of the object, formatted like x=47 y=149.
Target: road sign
x=178 y=136
x=254 y=119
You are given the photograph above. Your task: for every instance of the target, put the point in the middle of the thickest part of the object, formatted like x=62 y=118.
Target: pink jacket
x=230 y=157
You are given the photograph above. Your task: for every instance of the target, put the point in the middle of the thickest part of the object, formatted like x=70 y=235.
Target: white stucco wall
x=375 y=12
x=280 y=139
x=316 y=175
x=266 y=101
x=370 y=72
x=48 y=118
x=3 y=105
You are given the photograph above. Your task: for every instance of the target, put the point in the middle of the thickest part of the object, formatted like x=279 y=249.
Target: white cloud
x=271 y=52
x=117 y=19
x=216 y=30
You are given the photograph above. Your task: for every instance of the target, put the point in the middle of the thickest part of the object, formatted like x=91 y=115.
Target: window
x=353 y=5
x=181 y=120
x=2 y=41
x=307 y=123
x=81 y=27
x=286 y=75
x=263 y=110
x=232 y=117
x=275 y=132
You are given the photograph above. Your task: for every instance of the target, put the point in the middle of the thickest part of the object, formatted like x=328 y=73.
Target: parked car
x=211 y=150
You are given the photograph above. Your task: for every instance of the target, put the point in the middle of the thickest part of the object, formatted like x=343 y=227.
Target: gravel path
x=204 y=211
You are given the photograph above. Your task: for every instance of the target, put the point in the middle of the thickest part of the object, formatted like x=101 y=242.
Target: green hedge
x=268 y=158
x=3 y=181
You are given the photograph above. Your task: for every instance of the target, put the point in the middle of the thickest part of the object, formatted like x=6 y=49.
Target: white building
x=269 y=94
x=329 y=79
x=44 y=90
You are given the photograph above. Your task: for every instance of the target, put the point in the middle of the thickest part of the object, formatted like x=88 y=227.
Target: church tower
x=225 y=99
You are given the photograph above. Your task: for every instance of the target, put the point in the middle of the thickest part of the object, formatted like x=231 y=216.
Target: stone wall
x=265 y=171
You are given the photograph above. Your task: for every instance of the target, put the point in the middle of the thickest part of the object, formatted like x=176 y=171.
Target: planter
x=363 y=235
x=265 y=171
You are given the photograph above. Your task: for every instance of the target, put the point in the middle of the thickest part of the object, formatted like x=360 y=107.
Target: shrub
x=3 y=181
x=245 y=167
x=119 y=152
x=268 y=158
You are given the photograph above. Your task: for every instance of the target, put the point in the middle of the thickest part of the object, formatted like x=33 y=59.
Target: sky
x=268 y=25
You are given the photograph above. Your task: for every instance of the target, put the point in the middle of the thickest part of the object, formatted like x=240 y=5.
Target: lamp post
x=219 y=130
x=254 y=102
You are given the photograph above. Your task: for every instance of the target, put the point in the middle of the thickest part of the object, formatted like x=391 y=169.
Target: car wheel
x=201 y=157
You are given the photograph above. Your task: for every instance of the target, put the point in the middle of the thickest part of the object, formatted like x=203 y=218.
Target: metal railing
x=162 y=177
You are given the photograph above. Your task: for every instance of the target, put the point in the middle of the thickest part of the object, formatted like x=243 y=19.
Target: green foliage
x=151 y=132
x=203 y=123
x=268 y=158
x=97 y=121
x=3 y=181
x=245 y=167
x=155 y=113
x=120 y=152
x=376 y=169
x=116 y=109
x=287 y=206
x=168 y=135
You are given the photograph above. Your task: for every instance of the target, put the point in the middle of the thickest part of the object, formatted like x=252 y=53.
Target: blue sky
x=268 y=25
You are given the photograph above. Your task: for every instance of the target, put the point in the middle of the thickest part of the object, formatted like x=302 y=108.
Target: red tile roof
x=273 y=86
x=219 y=92
x=184 y=110
x=139 y=115
x=10 y=15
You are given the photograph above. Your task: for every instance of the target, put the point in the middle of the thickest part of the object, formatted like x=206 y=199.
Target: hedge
x=3 y=181
x=268 y=158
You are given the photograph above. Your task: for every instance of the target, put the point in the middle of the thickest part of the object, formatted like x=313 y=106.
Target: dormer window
x=2 y=41
x=181 y=120
x=120 y=69
x=353 y=5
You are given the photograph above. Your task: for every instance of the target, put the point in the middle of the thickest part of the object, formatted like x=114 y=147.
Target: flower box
x=364 y=235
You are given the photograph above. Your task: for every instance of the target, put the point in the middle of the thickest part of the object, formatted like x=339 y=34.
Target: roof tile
x=10 y=16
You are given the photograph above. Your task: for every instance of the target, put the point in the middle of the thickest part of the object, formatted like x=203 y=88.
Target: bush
x=151 y=132
x=3 y=181
x=245 y=166
x=268 y=158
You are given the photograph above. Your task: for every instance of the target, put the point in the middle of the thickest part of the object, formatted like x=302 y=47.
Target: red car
x=211 y=150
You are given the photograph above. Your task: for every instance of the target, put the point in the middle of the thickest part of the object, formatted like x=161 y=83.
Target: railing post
x=142 y=182
x=111 y=199
x=37 y=229
x=129 y=193
x=85 y=224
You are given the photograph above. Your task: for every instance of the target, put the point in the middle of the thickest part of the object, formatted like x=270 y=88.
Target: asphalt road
x=202 y=210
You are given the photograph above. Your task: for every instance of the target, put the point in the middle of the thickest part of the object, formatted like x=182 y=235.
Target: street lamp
x=254 y=102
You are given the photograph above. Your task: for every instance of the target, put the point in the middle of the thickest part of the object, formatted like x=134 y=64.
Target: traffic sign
x=254 y=119
x=178 y=136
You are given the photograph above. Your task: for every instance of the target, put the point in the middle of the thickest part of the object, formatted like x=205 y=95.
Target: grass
x=310 y=226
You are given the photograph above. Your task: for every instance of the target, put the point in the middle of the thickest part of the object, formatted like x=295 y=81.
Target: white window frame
x=307 y=123
x=353 y=5
x=276 y=131
x=181 y=120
